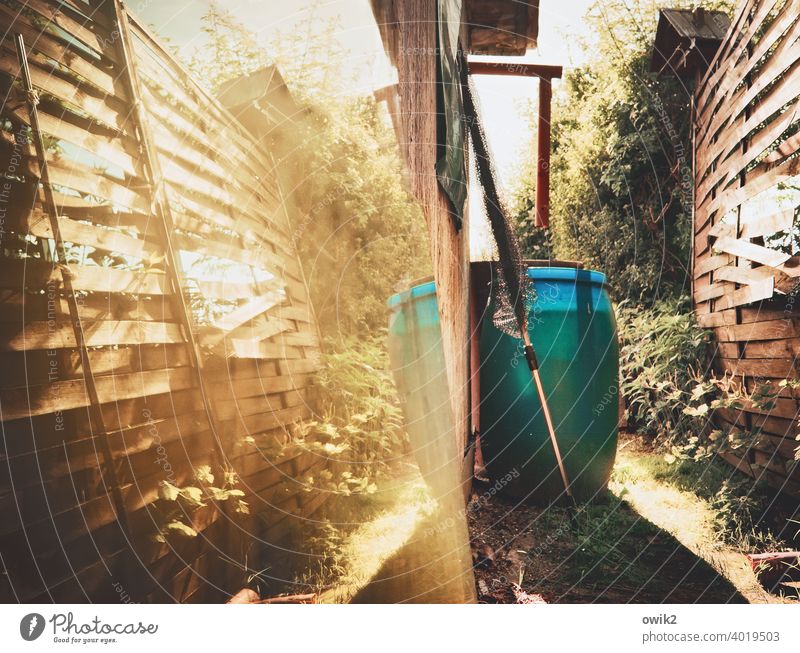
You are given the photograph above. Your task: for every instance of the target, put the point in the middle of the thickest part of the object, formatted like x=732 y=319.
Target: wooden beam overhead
x=501 y=27
x=543 y=71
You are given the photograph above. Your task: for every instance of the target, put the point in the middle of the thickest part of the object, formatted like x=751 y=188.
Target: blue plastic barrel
x=418 y=365
x=572 y=329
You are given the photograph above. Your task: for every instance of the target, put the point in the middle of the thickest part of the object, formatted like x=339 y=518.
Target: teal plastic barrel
x=573 y=331
x=418 y=366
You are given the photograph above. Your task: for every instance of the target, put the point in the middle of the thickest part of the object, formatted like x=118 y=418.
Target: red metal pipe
x=543 y=154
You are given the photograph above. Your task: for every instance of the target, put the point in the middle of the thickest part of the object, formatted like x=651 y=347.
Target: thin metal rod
x=97 y=421
x=161 y=207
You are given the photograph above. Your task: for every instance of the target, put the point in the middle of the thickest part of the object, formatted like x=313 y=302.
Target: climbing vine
x=180 y=503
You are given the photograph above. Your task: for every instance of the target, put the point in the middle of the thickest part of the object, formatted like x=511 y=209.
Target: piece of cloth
x=451 y=170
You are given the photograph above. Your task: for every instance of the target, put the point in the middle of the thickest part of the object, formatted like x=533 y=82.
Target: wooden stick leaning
x=96 y=419
x=162 y=209
x=508 y=255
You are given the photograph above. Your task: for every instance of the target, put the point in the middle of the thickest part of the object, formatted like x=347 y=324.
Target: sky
x=563 y=39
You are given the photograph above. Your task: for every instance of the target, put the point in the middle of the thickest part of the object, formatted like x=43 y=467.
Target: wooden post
x=543 y=153
x=475 y=370
x=546 y=74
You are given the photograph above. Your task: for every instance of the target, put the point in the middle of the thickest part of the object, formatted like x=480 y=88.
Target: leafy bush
x=356 y=425
x=662 y=351
x=356 y=405
x=178 y=504
x=671 y=393
x=621 y=165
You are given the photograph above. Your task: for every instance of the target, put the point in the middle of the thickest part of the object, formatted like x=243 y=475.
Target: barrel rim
x=416 y=292
x=567 y=274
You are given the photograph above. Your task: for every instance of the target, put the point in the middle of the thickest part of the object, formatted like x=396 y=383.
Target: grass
x=713 y=511
x=663 y=532
x=609 y=538
x=739 y=512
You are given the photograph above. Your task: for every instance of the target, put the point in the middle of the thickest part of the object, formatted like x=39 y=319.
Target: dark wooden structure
x=199 y=338
x=501 y=27
x=686 y=41
x=746 y=264
x=409 y=33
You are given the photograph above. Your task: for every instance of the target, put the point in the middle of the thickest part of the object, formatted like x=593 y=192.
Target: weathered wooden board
x=747 y=111
x=226 y=212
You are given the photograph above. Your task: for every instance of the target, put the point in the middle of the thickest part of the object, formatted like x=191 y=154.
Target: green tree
x=621 y=175
x=358 y=231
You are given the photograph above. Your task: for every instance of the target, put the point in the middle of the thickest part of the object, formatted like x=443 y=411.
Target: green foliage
x=662 y=351
x=231 y=50
x=534 y=241
x=621 y=160
x=179 y=503
x=357 y=423
x=669 y=391
x=358 y=413
x=356 y=228
x=367 y=234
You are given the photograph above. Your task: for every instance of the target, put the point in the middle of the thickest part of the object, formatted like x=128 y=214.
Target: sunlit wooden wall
x=63 y=484
x=746 y=263
x=409 y=33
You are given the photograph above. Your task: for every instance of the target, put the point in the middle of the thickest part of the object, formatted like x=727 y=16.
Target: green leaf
x=203 y=474
x=699 y=411
x=168 y=491
x=193 y=494
x=177 y=526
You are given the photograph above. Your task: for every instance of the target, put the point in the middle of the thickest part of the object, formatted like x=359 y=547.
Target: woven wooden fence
x=198 y=339
x=746 y=264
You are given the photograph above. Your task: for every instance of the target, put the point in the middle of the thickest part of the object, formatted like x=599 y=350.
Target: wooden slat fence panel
x=746 y=245
x=59 y=536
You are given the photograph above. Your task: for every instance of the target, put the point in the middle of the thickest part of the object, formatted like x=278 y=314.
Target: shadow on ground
x=608 y=553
